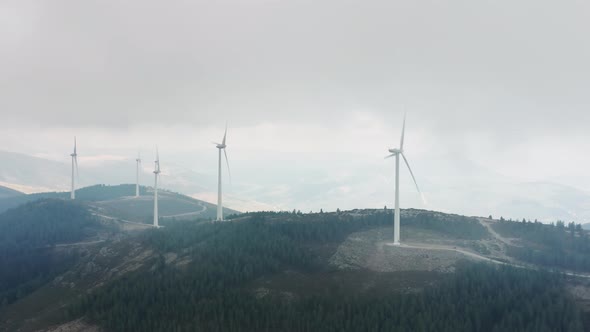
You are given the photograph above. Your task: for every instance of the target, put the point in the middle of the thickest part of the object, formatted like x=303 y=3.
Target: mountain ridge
x=120 y=200
x=263 y=257
x=6 y=192
x=447 y=187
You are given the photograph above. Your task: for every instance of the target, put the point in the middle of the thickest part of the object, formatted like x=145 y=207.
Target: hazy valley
x=487 y=192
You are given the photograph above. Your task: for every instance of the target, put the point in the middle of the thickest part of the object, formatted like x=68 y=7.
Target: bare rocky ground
x=372 y=250
x=421 y=250
x=431 y=252
x=75 y=326
x=581 y=291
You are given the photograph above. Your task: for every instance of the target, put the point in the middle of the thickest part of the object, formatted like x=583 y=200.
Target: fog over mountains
x=454 y=185
x=314 y=93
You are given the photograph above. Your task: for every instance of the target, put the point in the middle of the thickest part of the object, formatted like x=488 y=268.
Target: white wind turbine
x=74 y=170
x=221 y=146
x=396 y=153
x=137 y=166
x=156 y=173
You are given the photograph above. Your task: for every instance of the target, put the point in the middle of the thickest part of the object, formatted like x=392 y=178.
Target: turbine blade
x=391 y=155
x=227 y=162
x=215 y=143
x=414 y=178
x=225 y=134
x=75 y=145
x=157 y=162
x=76 y=162
x=401 y=144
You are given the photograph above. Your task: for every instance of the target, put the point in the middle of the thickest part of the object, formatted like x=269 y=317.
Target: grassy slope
x=171 y=205
x=117 y=203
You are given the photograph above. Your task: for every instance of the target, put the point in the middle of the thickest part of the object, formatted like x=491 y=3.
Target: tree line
x=27 y=234
x=213 y=293
x=555 y=245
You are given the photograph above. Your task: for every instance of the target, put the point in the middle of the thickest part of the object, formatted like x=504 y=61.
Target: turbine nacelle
x=222 y=144
x=157 y=162
x=395 y=151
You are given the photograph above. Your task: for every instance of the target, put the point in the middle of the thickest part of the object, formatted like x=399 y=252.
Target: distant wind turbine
x=396 y=153
x=74 y=170
x=221 y=146
x=138 y=164
x=156 y=173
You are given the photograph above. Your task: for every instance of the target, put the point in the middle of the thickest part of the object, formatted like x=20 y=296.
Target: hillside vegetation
x=26 y=232
x=280 y=271
x=553 y=245
x=214 y=288
x=7 y=192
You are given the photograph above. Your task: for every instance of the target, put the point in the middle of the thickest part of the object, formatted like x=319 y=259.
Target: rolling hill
x=454 y=181
x=293 y=272
x=6 y=192
x=30 y=240
x=119 y=202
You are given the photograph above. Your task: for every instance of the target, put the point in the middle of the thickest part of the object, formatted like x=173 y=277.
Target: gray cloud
x=500 y=83
x=494 y=66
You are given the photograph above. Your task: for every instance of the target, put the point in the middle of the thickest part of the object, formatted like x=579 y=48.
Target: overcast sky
x=321 y=84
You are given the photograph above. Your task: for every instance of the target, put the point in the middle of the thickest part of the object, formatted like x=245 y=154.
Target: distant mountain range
x=31 y=174
x=455 y=185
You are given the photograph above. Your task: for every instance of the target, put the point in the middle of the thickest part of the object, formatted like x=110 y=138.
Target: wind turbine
x=221 y=146
x=138 y=164
x=396 y=153
x=156 y=173
x=74 y=169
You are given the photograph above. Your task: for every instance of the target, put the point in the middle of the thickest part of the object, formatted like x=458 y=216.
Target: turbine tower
x=74 y=170
x=396 y=153
x=221 y=146
x=138 y=164
x=156 y=173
